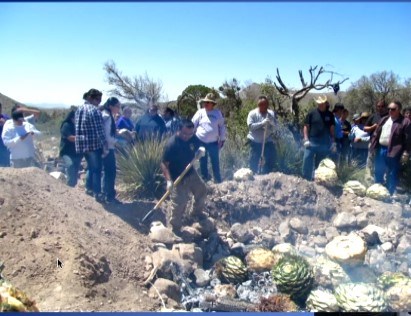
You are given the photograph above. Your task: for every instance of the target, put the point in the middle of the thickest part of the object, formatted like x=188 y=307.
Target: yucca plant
x=139 y=167
x=289 y=153
x=352 y=171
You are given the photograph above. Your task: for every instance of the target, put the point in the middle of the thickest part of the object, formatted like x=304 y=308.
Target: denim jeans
x=312 y=158
x=269 y=156
x=4 y=156
x=72 y=168
x=109 y=175
x=387 y=165
x=212 y=150
x=94 y=166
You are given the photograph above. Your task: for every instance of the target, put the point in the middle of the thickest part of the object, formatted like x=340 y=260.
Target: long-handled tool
x=199 y=153
x=261 y=163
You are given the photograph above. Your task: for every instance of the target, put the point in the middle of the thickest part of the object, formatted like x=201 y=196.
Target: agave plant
x=231 y=270
x=139 y=166
x=360 y=297
x=293 y=275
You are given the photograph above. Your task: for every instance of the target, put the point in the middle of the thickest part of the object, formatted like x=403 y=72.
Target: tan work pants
x=191 y=183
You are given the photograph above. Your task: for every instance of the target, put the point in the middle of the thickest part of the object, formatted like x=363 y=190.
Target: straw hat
x=210 y=97
x=321 y=99
x=356 y=117
x=365 y=114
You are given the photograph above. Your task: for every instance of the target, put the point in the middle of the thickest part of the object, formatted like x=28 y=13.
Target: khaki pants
x=191 y=183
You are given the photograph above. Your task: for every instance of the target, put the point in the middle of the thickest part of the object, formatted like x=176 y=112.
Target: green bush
x=289 y=153
x=139 y=167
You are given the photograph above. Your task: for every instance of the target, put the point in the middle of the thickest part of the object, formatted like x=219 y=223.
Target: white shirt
x=386 y=132
x=111 y=140
x=209 y=125
x=358 y=132
x=254 y=123
x=19 y=149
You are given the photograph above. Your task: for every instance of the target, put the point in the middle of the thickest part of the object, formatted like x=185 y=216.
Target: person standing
x=68 y=152
x=110 y=109
x=359 y=140
x=125 y=120
x=171 y=121
x=150 y=125
x=4 y=152
x=90 y=140
x=391 y=143
x=179 y=151
x=32 y=115
x=319 y=138
x=338 y=131
x=260 y=122
x=346 y=129
x=211 y=131
x=370 y=126
x=18 y=135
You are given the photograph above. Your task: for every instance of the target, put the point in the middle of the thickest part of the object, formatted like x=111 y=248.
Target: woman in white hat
x=211 y=131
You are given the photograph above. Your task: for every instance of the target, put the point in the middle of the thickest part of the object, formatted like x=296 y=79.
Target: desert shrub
x=233 y=156
x=289 y=152
x=139 y=167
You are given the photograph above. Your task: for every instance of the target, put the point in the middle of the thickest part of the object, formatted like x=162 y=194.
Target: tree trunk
x=296 y=111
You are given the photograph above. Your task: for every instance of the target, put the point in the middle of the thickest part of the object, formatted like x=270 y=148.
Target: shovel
x=261 y=162
x=199 y=153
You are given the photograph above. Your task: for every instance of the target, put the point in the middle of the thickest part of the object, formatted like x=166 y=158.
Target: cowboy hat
x=210 y=97
x=321 y=99
x=365 y=114
x=356 y=117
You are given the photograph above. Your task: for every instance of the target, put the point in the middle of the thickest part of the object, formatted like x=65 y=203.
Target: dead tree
x=298 y=95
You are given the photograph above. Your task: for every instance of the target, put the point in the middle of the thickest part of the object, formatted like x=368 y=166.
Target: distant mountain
x=8 y=103
x=49 y=105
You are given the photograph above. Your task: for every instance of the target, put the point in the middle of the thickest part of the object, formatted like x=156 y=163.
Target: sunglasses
x=392 y=109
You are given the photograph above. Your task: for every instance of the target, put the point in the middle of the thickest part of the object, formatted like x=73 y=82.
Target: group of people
x=17 y=133
x=379 y=142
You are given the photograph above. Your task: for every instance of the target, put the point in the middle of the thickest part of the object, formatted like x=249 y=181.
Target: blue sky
x=54 y=52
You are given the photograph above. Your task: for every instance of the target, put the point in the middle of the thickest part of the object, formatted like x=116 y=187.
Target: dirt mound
x=42 y=220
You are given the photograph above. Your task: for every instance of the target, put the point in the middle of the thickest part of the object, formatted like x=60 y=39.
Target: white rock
x=298 y=225
x=387 y=246
x=344 y=219
x=58 y=175
x=378 y=192
x=355 y=187
x=325 y=176
x=160 y=233
x=284 y=248
x=350 y=249
x=243 y=174
x=327 y=163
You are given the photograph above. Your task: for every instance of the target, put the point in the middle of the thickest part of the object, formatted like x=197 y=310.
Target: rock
x=328 y=273
x=160 y=233
x=58 y=175
x=331 y=232
x=3 y=234
x=370 y=229
x=284 y=248
x=325 y=174
x=387 y=246
x=260 y=259
x=225 y=290
x=287 y=235
x=404 y=245
x=350 y=249
x=206 y=227
x=202 y=277
x=362 y=219
x=241 y=233
x=345 y=220
x=238 y=250
x=190 y=253
x=298 y=225
x=306 y=251
x=399 y=297
x=375 y=258
x=190 y=234
x=243 y=174
x=186 y=256
x=165 y=287
x=378 y=192
x=320 y=241
x=267 y=240
x=355 y=187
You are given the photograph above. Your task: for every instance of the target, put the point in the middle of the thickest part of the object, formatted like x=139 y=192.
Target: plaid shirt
x=89 y=129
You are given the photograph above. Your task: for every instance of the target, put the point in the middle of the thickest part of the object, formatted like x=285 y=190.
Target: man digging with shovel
x=180 y=153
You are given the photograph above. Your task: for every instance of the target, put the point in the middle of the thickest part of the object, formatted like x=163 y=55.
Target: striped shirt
x=89 y=128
